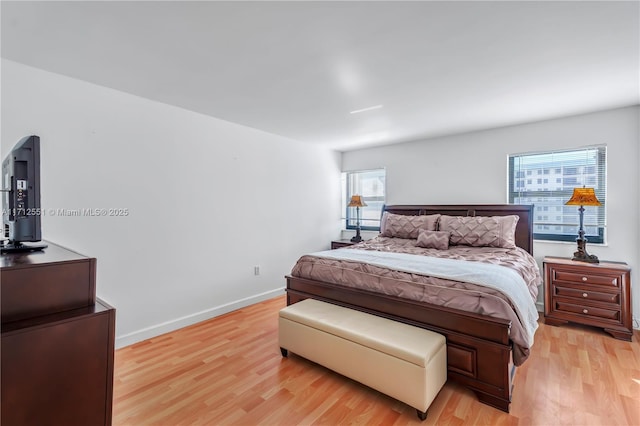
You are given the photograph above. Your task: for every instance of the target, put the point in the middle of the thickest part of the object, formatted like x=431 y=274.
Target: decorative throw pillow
x=433 y=239
x=405 y=226
x=481 y=231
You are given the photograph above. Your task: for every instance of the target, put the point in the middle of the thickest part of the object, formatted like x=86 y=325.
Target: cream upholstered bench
x=405 y=362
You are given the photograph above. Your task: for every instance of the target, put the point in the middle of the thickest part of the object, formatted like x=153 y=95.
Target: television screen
x=21 y=196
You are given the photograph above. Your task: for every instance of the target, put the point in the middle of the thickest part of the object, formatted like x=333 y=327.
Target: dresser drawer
x=586 y=278
x=32 y=287
x=587 y=295
x=609 y=314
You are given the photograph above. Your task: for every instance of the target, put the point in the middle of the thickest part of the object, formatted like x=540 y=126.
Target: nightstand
x=595 y=294
x=341 y=243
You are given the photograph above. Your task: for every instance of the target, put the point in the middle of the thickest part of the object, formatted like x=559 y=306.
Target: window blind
x=547 y=179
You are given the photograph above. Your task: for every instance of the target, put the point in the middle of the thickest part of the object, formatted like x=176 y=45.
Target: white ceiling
x=297 y=69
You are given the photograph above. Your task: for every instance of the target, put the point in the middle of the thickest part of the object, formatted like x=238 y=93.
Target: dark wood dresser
x=57 y=342
x=596 y=294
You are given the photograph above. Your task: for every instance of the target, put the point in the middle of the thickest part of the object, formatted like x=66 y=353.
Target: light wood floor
x=229 y=370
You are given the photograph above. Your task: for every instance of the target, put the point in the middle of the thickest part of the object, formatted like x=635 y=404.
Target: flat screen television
x=21 y=211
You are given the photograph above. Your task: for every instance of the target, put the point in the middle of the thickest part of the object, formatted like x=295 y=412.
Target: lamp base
x=581 y=254
x=590 y=258
x=357 y=238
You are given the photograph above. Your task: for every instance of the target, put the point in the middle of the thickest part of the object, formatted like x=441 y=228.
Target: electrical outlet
x=256 y=270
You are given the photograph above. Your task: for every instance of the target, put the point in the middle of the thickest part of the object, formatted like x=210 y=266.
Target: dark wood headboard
x=524 y=229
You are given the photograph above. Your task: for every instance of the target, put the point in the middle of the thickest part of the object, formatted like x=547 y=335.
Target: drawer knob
x=584 y=278
x=585 y=311
x=584 y=295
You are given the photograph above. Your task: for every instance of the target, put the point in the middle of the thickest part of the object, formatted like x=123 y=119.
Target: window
x=370 y=184
x=576 y=168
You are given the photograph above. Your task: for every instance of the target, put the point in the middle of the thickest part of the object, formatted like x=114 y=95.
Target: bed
x=484 y=345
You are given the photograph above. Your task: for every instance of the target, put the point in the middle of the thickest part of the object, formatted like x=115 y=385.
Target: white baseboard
x=166 y=327
x=540 y=306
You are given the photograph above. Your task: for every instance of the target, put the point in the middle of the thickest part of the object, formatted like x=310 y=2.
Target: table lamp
x=356 y=201
x=583 y=197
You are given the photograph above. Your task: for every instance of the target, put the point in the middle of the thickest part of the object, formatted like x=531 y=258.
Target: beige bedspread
x=454 y=294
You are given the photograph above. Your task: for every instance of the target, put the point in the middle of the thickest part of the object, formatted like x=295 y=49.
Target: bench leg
x=284 y=352
x=421 y=415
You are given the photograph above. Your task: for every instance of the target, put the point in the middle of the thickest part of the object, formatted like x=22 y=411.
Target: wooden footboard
x=478 y=347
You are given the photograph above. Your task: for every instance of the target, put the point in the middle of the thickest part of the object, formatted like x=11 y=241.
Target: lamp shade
x=583 y=197
x=356 y=201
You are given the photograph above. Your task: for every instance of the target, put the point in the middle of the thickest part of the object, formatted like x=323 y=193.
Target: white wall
x=208 y=200
x=472 y=168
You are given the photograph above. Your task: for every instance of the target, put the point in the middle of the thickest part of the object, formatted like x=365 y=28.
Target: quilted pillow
x=481 y=231
x=433 y=239
x=404 y=226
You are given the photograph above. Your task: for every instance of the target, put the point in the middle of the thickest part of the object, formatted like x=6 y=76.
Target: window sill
x=572 y=243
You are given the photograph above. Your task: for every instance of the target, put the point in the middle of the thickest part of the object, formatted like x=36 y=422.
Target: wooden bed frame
x=478 y=346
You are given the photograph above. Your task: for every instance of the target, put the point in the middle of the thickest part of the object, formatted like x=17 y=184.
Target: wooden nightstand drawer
x=587 y=295
x=586 y=277
x=592 y=294
x=608 y=314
